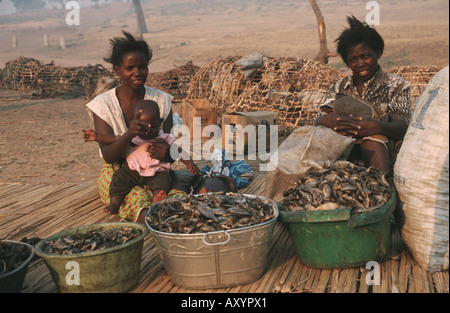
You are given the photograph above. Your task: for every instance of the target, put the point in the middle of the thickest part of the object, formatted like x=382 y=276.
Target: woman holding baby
x=114 y=114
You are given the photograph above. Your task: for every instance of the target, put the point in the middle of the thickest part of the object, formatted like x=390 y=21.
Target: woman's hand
x=191 y=166
x=350 y=126
x=363 y=127
x=137 y=125
x=159 y=149
x=89 y=135
x=339 y=123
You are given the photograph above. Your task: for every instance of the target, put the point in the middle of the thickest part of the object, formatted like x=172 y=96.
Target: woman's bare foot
x=112 y=209
x=114 y=205
x=159 y=195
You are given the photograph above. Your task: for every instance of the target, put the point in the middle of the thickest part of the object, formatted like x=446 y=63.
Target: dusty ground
x=41 y=138
x=42 y=141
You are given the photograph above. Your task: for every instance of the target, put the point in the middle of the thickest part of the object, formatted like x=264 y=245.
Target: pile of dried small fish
x=12 y=255
x=209 y=212
x=95 y=239
x=339 y=184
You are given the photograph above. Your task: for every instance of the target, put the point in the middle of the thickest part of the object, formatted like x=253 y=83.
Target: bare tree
x=324 y=53
x=142 y=27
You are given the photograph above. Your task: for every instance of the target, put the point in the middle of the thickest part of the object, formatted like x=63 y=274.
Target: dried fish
x=328 y=206
x=238 y=211
x=12 y=255
x=339 y=184
x=206 y=211
x=95 y=239
x=209 y=212
x=326 y=192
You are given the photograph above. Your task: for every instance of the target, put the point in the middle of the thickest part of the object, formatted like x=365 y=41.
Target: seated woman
x=360 y=47
x=113 y=113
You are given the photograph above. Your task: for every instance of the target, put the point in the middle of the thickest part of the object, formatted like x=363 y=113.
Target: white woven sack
x=307 y=143
x=421 y=177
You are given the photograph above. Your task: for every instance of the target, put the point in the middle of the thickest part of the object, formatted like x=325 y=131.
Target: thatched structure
x=87 y=81
x=292 y=87
x=418 y=76
x=28 y=74
x=219 y=81
x=20 y=74
x=175 y=82
x=296 y=88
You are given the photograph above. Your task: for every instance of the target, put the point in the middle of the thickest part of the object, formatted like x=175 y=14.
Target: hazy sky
x=7 y=6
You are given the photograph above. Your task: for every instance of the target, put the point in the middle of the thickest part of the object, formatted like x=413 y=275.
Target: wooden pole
x=46 y=43
x=15 y=42
x=142 y=27
x=62 y=42
x=324 y=53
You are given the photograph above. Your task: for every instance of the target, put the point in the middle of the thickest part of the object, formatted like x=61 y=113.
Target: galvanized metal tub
x=216 y=259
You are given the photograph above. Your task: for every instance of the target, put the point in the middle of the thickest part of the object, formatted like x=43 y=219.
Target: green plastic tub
x=114 y=269
x=338 y=238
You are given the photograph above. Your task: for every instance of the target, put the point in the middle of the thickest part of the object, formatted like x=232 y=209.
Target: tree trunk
x=324 y=53
x=142 y=27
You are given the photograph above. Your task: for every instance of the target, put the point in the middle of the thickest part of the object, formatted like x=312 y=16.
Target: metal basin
x=216 y=259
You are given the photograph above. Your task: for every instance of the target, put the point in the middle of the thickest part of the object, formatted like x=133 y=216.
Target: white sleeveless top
x=107 y=107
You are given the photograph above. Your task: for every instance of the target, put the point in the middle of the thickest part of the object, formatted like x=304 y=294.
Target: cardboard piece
x=243 y=119
x=198 y=108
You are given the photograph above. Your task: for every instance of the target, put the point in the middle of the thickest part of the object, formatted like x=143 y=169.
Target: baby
x=140 y=169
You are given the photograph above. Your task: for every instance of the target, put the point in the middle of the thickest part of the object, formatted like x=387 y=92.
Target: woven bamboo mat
x=43 y=210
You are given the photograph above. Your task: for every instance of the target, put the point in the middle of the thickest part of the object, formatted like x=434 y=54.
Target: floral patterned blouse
x=390 y=93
